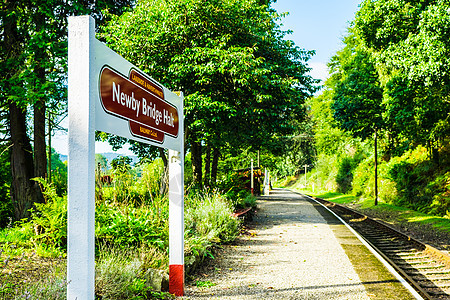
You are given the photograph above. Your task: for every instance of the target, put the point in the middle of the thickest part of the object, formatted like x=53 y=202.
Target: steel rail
x=393 y=241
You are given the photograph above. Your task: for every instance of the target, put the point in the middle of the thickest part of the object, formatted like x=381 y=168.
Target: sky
x=316 y=24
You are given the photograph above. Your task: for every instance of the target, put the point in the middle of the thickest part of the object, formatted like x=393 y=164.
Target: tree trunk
x=40 y=153
x=207 y=166
x=215 y=162
x=164 y=186
x=21 y=152
x=22 y=188
x=196 y=157
x=49 y=165
x=376 y=168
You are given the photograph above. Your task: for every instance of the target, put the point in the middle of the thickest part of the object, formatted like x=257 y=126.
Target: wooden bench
x=240 y=213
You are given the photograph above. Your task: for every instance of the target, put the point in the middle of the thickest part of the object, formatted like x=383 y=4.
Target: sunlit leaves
x=409 y=40
x=243 y=82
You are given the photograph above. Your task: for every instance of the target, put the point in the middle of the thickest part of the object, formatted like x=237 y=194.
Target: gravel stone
x=292 y=253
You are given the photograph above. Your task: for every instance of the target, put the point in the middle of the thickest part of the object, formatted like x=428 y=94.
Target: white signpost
x=108 y=93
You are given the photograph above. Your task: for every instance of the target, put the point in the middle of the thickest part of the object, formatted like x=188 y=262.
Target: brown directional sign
x=141 y=102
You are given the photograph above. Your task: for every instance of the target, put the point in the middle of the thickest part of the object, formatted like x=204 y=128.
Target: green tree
x=357 y=96
x=121 y=164
x=409 y=40
x=243 y=82
x=58 y=173
x=33 y=49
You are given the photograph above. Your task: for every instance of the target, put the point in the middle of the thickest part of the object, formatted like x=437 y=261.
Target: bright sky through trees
x=318 y=25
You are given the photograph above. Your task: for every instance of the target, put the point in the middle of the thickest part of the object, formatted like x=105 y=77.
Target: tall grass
x=131 y=237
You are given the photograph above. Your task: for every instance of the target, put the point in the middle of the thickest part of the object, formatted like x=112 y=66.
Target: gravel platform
x=294 y=251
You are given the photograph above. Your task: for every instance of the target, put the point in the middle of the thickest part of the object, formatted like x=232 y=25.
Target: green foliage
x=204 y=284
x=6 y=212
x=408 y=40
x=357 y=92
x=121 y=164
x=244 y=84
x=439 y=189
x=131 y=238
x=235 y=196
x=364 y=178
x=233 y=186
x=389 y=77
x=344 y=176
x=50 y=218
x=59 y=174
x=128 y=187
x=152 y=178
x=15 y=238
x=6 y=206
x=323 y=175
x=208 y=221
x=130 y=227
x=412 y=172
x=328 y=137
x=123 y=274
x=250 y=201
x=102 y=161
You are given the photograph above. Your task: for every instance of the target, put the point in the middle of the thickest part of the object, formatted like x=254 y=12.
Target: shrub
x=209 y=215
x=50 y=218
x=410 y=172
x=440 y=190
x=363 y=178
x=325 y=172
x=6 y=205
x=131 y=233
x=249 y=201
x=6 y=211
x=344 y=175
x=128 y=226
x=119 y=275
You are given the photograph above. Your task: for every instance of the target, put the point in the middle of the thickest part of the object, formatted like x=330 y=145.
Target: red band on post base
x=176 y=280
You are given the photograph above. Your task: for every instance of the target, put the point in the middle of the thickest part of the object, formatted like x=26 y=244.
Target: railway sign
x=108 y=93
x=140 y=101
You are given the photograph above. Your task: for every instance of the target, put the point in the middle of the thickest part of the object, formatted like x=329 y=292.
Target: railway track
x=424 y=267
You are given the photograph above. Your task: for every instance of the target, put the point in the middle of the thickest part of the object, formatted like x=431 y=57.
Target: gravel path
x=292 y=253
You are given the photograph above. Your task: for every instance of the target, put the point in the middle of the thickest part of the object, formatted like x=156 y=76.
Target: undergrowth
x=412 y=180
x=131 y=229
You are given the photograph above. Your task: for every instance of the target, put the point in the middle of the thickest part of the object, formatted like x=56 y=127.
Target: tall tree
x=243 y=82
x=358 y=94
x=33 y=49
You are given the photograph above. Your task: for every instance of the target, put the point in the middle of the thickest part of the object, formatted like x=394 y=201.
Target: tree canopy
x=243 y=82
x=357 y=91
x=409 y=42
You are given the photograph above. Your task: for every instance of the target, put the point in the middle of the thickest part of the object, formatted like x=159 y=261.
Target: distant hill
x=109 y=157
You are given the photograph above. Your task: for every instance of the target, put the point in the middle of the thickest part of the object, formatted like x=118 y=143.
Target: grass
x=396 y=213
x=403 y=214
x=204 y=284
